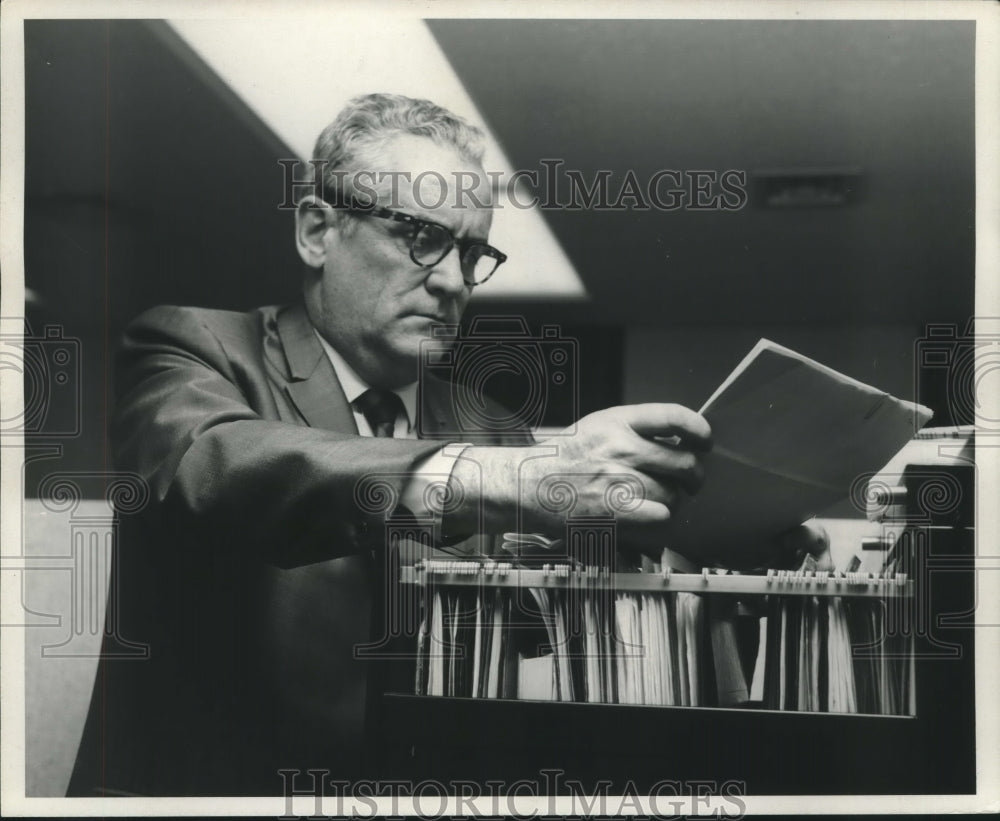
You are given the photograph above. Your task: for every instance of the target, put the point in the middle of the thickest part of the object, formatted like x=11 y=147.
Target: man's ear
x=311 y=224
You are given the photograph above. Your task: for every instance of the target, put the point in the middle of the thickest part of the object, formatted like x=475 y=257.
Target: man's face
x=373 y=303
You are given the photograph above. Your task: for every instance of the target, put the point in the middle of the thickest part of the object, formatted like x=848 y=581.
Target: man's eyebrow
x=403 y=225
x=431 y=222
x=445 y=227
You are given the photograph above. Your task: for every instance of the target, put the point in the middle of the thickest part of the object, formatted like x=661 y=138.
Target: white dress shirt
x=433 y=469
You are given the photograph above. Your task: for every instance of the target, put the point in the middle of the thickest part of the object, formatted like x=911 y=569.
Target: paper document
x=790 y=437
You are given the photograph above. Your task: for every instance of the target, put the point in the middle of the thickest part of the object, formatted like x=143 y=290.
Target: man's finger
x=682 y=467
x=654 y=420
x=645 y=525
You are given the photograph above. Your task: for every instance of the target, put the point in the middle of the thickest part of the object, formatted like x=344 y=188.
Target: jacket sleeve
x=188 y=420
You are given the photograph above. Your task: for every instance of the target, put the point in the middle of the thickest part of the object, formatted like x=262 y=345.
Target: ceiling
x=127 y=124
x=261 y=63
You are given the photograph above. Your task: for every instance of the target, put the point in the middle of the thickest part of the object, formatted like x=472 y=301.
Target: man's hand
x=634 y=462
x=792 y=547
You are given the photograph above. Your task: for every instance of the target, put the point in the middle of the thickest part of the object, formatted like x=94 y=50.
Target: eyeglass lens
x=433 y=242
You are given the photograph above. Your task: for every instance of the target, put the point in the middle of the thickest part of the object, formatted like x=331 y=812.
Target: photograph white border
x=987 y=68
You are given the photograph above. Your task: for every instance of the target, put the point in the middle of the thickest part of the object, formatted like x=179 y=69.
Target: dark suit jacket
x=250 y=573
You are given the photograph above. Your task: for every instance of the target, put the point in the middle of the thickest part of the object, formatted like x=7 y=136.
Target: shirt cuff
x=425 y=493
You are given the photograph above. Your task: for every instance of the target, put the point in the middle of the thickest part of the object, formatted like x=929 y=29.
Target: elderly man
x=250 y=575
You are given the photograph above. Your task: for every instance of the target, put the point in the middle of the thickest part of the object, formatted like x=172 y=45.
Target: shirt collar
x=353 y=385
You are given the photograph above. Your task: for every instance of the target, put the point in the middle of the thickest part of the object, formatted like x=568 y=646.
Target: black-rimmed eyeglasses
x=430 y=243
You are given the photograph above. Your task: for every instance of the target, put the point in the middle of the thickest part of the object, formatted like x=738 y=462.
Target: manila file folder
x=790 y=438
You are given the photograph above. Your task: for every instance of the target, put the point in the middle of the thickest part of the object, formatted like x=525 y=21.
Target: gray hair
x=365 y=124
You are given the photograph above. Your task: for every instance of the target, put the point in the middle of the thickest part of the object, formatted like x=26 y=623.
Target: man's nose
x=446 y=277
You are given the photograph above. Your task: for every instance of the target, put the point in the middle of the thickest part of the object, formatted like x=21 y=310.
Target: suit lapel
x=316 y=393
x=313 y=388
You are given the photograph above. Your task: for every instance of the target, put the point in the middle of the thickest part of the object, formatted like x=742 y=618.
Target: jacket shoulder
x=199 y=328
x=173 y=335
x=173 y=318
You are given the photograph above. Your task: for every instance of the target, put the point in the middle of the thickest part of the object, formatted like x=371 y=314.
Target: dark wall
x=146 y=182
x=888 y=105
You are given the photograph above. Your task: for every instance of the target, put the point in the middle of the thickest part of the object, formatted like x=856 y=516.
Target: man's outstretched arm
x=635 y=462
x=196 y=418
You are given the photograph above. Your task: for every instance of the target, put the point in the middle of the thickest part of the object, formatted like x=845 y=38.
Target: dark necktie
x=380 y=409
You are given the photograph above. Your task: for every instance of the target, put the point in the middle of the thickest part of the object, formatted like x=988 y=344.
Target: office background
x=150 y=180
